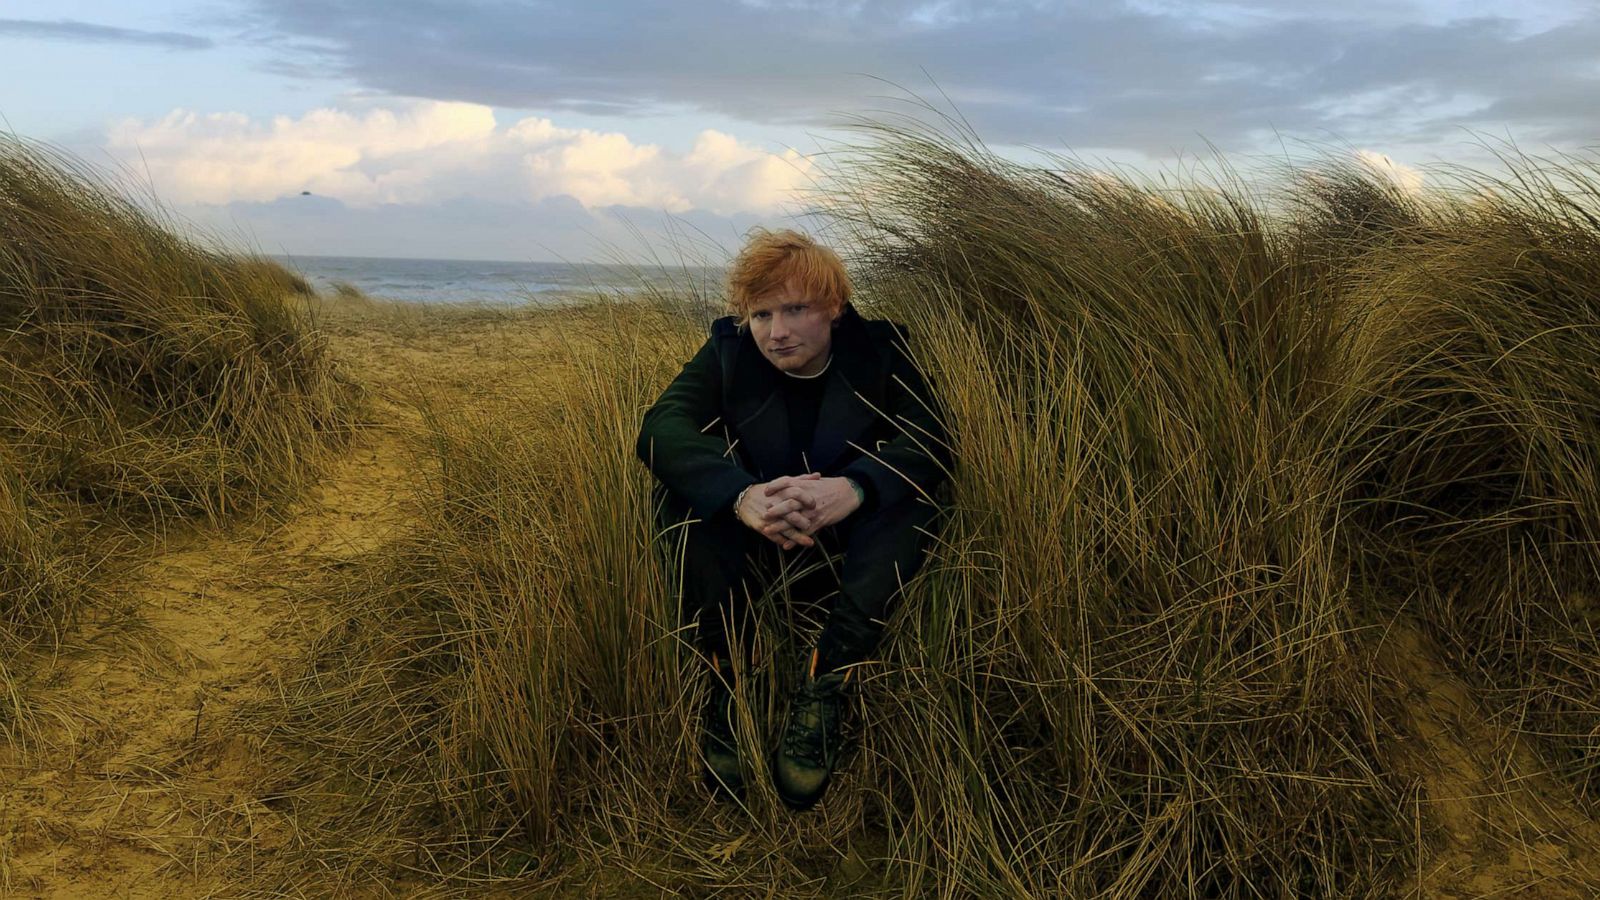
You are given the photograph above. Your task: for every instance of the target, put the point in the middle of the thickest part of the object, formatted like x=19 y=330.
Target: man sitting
x=798 y=425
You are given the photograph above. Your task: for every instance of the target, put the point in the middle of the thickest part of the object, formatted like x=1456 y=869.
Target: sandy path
x=138 y=790
x=1503 y=826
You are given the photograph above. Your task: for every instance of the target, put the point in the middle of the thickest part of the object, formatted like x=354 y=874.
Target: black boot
x=718 y=747
x=810 y=748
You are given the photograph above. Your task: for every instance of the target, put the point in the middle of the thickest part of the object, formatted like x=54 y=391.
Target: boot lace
x=813 y=732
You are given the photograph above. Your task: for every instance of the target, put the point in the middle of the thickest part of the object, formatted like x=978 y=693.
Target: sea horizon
x=494 y=281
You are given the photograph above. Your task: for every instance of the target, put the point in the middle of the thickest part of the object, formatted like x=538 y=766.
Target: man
x=798 y=426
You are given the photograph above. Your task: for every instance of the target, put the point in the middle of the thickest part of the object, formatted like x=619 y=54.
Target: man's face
x=792 y=330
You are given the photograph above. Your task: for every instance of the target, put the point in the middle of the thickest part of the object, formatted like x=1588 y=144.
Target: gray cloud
x=1151 y=79
x=69 y=30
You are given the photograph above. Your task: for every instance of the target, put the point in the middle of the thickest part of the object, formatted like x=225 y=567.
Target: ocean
x=460 y=281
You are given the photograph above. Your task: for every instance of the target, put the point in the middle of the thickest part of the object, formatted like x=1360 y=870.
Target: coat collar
x=854 y=356
x=762 y=418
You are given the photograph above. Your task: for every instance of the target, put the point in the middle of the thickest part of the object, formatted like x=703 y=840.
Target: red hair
x=771 y=259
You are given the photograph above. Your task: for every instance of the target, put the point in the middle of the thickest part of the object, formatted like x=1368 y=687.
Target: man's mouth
x=784 y=349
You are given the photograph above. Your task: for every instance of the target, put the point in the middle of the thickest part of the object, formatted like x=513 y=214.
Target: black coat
x=722 y=424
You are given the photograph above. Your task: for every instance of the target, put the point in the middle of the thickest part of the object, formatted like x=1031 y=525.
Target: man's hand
x=823 y=501
x=786 y=521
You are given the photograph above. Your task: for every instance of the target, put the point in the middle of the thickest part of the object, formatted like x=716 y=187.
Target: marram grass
x=1150 y=614
x=144 y=372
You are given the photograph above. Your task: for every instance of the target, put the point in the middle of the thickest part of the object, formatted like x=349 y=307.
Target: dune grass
x=1150 y=618
x=146 y=372
x=1478 y=502
x=145 y=381
x=35 y=574
x=1214 y=437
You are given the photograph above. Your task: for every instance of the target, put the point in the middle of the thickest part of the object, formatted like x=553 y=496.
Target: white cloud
x=734 y=176
x=420 y=151
x=1401 y=175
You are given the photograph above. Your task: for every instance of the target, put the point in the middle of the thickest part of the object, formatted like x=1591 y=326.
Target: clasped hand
x=790 y=509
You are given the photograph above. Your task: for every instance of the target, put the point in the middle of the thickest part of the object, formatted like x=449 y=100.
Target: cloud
x=1401 y=175
x=556 y=228
x=1149 y=76
x=70 y=30
x=422 y=152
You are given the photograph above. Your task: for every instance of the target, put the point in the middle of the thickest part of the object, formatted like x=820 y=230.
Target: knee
x=670 y=509
x=719 y=540
x=905 y=520
x=675 y=518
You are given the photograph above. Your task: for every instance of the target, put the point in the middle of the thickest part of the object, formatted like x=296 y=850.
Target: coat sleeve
x=681 y=440
x=917 y=459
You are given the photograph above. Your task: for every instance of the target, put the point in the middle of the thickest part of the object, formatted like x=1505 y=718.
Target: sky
x=625 y=130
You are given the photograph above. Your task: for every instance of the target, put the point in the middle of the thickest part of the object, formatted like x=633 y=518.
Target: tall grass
x=1141 y=672
x=31 y=558
x=1212 y=437
x=144 y=372
x=145 y=380
x=1479 y=502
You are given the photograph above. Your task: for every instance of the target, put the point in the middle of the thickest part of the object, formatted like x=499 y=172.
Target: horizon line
x=474 y=259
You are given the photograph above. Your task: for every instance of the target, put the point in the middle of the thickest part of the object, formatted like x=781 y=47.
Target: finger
x=776 y=526
x=790 y=540
x=785 y=534
x=787 y=529
x=800 y=498
x=777 y=484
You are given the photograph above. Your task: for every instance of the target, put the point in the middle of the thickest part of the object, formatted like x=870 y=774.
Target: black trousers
x=854 y=574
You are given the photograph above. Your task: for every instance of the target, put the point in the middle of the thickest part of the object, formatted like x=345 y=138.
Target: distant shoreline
x=497 y=281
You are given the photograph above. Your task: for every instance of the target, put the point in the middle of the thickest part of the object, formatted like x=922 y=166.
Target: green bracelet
x=861 y=496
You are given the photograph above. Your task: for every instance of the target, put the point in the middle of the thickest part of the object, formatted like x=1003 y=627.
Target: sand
x=1491 y=822
x=140 y=788
x=137 y=789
